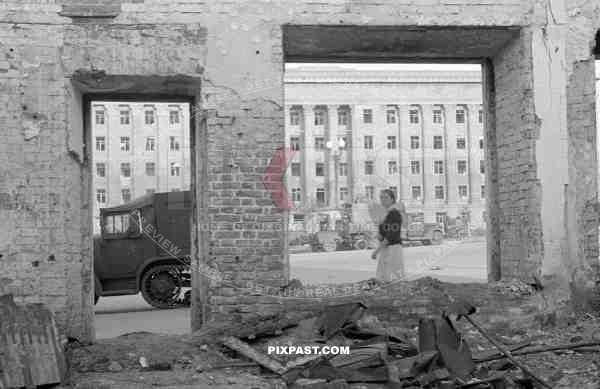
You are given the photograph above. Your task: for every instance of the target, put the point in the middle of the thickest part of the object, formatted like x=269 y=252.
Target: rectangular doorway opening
x=412 y=129
x=142 y=174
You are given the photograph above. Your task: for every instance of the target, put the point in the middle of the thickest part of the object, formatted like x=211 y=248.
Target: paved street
x=464 y=262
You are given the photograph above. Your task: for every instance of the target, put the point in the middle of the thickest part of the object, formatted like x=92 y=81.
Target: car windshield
x=121 y=224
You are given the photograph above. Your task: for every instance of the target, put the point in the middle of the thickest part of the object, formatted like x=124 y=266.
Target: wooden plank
x=247 y=351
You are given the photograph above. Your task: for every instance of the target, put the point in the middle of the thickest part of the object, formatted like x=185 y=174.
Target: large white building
x=138 y=148
x=419 y=133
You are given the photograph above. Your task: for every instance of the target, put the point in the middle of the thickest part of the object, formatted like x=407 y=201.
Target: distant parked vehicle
x=425 y=233
x=144 y=247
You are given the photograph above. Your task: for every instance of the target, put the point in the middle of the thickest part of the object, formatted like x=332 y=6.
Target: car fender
x=159 y=260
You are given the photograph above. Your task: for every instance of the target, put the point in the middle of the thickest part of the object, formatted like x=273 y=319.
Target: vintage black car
x=144 y=247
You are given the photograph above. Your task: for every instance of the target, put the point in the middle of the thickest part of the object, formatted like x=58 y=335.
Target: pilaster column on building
x=306 y=156
x=333 y=157
x=471 y=114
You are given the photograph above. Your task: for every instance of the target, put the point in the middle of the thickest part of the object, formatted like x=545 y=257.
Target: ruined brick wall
x=236 y=48
x=516 y=198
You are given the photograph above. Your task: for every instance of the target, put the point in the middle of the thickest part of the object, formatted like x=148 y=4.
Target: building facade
x=138 y=148
x=419 y=133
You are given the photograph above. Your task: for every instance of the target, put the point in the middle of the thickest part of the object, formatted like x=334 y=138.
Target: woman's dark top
x=391 y=227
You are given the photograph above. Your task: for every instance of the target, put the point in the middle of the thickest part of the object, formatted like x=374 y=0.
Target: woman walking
x=390 y=265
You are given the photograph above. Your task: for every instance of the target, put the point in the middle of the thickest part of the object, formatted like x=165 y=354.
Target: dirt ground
x=174 y=362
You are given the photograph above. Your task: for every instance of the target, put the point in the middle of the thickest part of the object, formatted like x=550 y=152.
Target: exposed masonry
x=541 y=226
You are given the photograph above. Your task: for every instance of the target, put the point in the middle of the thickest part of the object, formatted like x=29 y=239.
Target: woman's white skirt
x=390 y=264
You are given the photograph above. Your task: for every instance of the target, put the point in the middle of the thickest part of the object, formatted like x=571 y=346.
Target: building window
x=150 y=143
x=319 y=117
x=438 y=142
x=482 y=166
x=295 y=143
x=413 y=116
x=369 y=168
x=462 y=191
x=391 y=116
x=416 y=192
x=439 y=192
x=173 y=117
x=319 y=143
x=391 y=143
x=460 y=116
x=368 y=142
x=298 y=218
x=125 y=143
x=440 y=218
x=150 y=191
x=369 y=192
x=101 y=196
x=342 y=118
x=343 y=194
x=461 y=143
x=125 y=169
x=394 y=189
x=124 y=116
x=367 y=116
x=480 y=119
x=175 y=170
x=149 y=116
x=294 y=118
x=150 y=169
x=320 y=196
x=99 y=117
x=415 y=167
x=392 y=167
x=320 y=169
x=438 y=167
x=343 y=169
x=296 y=194
x=437 y=116
x=482 y=191
x=101 y=170
x=173 y=143
x=461 y=167
x=100 y=143
x=126 y=195
x=414 y=142
x=296 y=169
x=345 y=140
x=481 y=143
x=175 y=190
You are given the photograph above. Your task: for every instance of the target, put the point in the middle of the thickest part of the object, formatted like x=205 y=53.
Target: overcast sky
x=365 y=66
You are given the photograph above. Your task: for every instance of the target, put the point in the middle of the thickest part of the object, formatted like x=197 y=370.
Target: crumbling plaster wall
x=236 y=47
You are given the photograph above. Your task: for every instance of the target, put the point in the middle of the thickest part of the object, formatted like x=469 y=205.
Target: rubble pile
x=439 y=356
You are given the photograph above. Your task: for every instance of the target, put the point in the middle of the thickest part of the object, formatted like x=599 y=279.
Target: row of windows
x=369 y=168
x=125 y=143
x=439 y=193
x=126 y=169
x=390 y=116
x=125 y=116
x=125 y=194
x=415 y=142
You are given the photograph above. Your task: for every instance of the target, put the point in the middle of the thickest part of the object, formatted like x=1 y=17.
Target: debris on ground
x=442 y=352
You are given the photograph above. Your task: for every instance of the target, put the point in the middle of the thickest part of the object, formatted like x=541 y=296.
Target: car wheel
x=361 y=244
x=437 y=237
x=427 y=242
x=162 y=286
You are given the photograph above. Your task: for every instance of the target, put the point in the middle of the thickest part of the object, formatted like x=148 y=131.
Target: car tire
x=427 y=242
x=161 y=287
x=361 y=244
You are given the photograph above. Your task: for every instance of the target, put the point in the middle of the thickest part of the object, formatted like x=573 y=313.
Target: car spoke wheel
x=162 y=286
x=361 y=244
